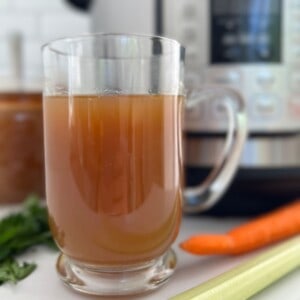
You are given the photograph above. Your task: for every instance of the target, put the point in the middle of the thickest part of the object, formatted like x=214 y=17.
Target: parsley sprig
x=18 y=232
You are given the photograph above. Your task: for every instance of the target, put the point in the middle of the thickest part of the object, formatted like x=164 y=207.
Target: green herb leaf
x=12 y=271
x=19 y=232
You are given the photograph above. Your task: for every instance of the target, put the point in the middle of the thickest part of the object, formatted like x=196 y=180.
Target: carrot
x=264 y=230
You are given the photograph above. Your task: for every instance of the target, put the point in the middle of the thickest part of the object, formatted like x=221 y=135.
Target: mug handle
x=206 y=194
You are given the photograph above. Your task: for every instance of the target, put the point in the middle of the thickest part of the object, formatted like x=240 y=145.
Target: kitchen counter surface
x=44 y=284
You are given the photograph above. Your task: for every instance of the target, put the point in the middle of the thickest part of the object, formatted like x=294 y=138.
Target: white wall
x=37 y=21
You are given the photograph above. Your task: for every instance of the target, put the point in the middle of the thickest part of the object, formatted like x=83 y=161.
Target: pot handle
x=208 y=193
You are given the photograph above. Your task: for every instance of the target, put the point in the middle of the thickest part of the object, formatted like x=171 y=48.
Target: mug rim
x=67 y=39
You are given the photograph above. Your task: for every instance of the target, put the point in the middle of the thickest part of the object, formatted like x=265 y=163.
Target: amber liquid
x=21 y=146
x=113 y=175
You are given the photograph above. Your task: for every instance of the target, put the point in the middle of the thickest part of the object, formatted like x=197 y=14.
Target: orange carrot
x=264 y=230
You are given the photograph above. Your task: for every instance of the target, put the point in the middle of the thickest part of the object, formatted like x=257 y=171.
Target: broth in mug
x=114 y=175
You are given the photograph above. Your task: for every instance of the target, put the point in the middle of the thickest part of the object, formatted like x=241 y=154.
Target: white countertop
x=43 y=283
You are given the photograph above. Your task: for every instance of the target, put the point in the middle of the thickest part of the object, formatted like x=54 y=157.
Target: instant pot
x=250 y=45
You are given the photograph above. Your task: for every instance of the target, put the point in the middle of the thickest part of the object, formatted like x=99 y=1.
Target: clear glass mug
x=113 y=155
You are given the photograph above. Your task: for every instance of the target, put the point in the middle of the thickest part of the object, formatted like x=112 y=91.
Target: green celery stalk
x=251 y=277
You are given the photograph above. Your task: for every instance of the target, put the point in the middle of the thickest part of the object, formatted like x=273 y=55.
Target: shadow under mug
x=113 y=154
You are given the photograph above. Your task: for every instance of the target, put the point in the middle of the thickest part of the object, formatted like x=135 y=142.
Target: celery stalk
x=251 y=277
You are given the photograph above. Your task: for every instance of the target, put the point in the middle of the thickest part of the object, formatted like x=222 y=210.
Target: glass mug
x=113 y=153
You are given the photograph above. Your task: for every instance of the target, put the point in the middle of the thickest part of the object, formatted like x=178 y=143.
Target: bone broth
x=113 y=175
x=21 y=146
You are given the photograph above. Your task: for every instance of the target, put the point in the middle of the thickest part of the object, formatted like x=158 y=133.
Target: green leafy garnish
x=18 y=232
x=12 y=271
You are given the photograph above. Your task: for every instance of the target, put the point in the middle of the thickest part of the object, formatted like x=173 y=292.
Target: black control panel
x=245 y=31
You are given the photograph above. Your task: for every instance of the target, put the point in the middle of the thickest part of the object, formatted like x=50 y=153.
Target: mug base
x=103 y=281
